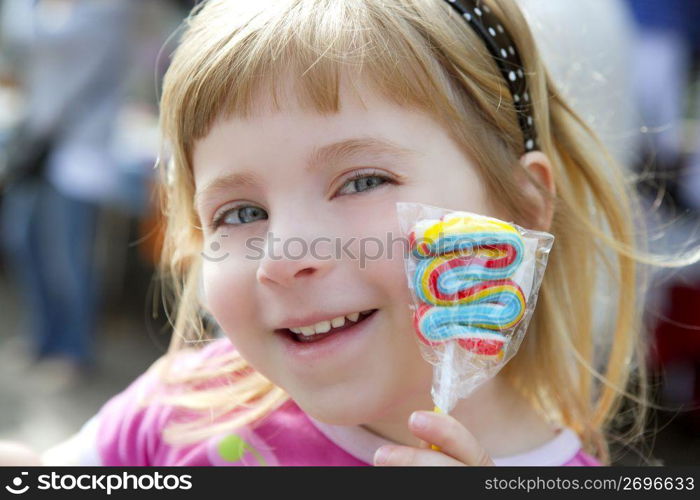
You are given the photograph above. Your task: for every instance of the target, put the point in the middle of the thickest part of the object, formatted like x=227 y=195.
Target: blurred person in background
x=71 y=59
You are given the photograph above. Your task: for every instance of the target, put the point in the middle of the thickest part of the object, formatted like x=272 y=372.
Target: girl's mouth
x=308 y=337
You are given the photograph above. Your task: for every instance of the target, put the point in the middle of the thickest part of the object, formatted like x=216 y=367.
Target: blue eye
x=240 y=215
x=362 y=182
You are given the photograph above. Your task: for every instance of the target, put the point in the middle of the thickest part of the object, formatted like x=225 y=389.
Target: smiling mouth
x=315 y=337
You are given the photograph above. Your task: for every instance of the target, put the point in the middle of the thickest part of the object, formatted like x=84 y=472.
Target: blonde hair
x=417 y=54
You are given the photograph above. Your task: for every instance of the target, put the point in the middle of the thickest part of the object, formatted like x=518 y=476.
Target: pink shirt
x=126 y=433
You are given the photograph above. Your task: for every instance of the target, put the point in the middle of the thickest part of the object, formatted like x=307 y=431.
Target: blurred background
x=80 y=312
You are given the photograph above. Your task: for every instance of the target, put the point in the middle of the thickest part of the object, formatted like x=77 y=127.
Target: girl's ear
x=536 y=180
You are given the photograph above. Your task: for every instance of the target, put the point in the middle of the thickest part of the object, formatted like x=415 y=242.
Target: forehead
x=287 y=132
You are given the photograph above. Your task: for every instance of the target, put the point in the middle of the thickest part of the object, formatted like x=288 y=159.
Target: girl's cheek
x=382 y=262
x=226 y=292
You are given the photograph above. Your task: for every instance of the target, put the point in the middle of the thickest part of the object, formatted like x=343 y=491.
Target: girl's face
x=299 y=214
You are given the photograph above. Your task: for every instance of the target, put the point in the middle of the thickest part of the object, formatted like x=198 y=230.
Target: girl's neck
x=499 y=417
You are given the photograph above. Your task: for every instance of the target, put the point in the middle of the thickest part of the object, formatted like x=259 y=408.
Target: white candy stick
x=446 y=369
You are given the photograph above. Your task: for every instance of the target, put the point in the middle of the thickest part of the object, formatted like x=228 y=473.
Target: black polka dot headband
x=503 y=50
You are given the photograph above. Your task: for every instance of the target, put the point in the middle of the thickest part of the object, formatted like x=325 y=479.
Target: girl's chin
x=362 y=406
x=348 y=411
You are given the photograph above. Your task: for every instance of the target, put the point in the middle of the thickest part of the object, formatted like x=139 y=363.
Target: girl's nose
x=290 y=261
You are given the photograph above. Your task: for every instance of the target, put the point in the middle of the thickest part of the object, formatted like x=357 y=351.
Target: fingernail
x=419 y=420
x=382 y=455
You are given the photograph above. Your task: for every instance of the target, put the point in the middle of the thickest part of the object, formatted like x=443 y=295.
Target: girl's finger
x=391 y=455
x=450 y=436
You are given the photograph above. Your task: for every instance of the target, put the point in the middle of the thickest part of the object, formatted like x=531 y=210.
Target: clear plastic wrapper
x=474 y=281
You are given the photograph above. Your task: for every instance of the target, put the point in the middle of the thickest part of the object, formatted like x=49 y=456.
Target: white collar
x=361 y=444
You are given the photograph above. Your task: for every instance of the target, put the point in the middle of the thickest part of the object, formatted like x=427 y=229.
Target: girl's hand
x=457 y=445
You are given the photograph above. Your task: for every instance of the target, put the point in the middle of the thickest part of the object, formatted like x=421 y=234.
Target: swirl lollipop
x=463 y=282
x=467 y=273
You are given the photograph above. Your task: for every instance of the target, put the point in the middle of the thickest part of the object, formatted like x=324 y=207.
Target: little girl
x=295 y=123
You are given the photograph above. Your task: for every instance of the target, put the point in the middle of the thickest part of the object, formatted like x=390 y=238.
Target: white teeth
x=307 y=330
x=322 y=326
x=325 y=326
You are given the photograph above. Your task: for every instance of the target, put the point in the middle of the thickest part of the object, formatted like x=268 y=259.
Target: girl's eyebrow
x=320 y=157
x=222 y=184
x=349 y=148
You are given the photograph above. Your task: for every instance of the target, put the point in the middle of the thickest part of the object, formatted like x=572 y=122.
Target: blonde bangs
x=228 y=68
